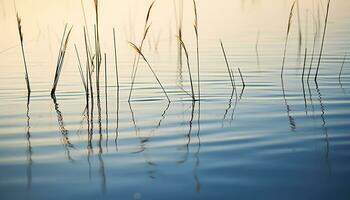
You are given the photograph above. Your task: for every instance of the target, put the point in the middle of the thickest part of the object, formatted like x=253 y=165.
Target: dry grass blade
x=287 y=34
x=227 y=65
x=324 y=34
x=19 y=26
x=138 y=50
x=188 y=66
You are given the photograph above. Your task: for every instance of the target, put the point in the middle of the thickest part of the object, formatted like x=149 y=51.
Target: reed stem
x=324 y=34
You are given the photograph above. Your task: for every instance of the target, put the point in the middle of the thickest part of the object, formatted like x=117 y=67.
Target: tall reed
x=324 y=34
x=61 y=55
x=188 y=67
x=287 y=34
x=115 y=58
x=227 y=65
x=138 y=50
x=19 y=26
x=313 y=50
x=88 y=69
x=197 y=46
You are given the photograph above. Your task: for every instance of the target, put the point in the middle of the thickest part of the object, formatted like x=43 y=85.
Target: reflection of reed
x=100 y=149
x=90 y=150
x=188 y=134
x=179 y=66
x=81 y=123
x=162 y=117
x=257 y=50
x=133 y=119
x=106 y=101
x=311 y=101
x=196 y=155
x=29 y=149
x=117 y=128
x=144 y=140
x=64 y=132
x=324 y=123
x=102 y=167
x=99 y=120
x=228 y=107
x=235 y=105
x=290 y=118
x=340 y=73
x=242 y=91
x=302 y=81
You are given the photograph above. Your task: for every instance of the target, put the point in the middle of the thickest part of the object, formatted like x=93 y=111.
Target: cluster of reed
x=94 y=59
x=317 y=25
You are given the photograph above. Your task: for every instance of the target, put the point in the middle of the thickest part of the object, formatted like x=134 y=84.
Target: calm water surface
x=267 y=140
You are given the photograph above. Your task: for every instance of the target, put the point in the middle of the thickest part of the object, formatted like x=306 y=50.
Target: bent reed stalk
x=137 y=57
x=188 y=67
x=149 y=66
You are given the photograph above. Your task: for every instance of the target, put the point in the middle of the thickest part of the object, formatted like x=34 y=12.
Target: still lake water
x=262 y=141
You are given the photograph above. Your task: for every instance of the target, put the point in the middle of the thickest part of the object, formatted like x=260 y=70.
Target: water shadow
x=196 y=155
x=29 y=151
x=64 y=132
x=188 y=135
x=324 y=126
x=291 y=120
